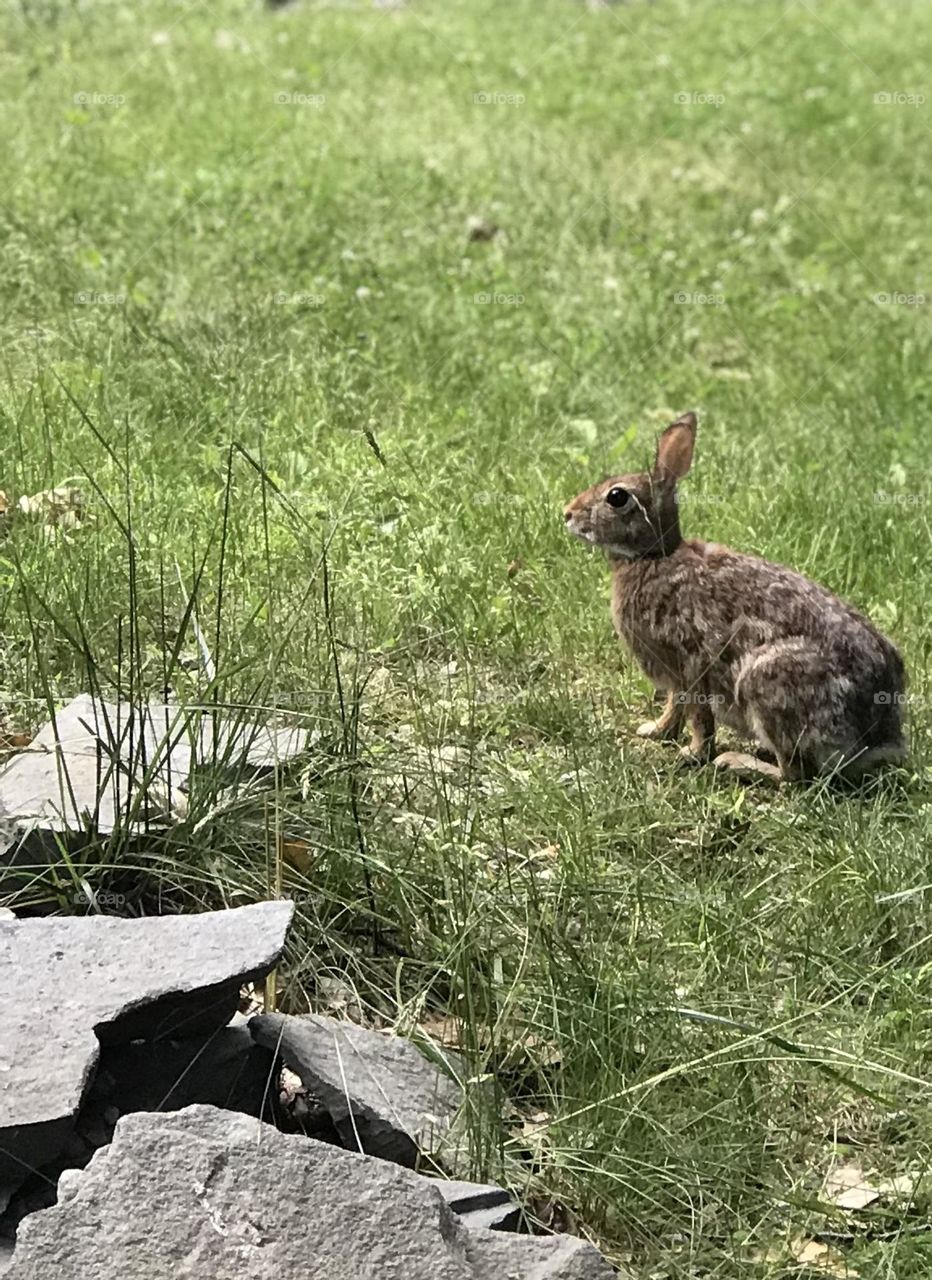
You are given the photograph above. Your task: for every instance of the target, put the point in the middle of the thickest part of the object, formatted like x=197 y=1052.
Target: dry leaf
x=514 y=1049
x=848 y=1187
x=443 y=1029
x=534 y=1132
x=822 y=1257
x=62 y=508
x=481 y=228
x=536 y=1121
x=547 y=853
x=297 y=853
x=14 y=741
x=533 y=1050
x=904 y=1186
x=58 y=511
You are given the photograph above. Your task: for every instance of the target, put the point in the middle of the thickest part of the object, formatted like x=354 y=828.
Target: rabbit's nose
x=567 y=515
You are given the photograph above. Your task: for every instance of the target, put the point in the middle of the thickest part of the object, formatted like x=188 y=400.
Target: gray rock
x=382 y=1094
x=69 y=985
x=481 y=1206
x=226 y=1069
x=215 y=1195
x=105 y=766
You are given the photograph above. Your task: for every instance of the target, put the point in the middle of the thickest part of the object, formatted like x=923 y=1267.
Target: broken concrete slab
x=217 y=1195
x=383 y=1095
x=488 y=1207
x=104 y=766
x=70 y=985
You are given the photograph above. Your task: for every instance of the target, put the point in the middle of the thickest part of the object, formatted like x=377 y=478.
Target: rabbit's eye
x=617 y=497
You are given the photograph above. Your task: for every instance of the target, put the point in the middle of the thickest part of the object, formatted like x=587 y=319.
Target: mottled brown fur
x=733 y=639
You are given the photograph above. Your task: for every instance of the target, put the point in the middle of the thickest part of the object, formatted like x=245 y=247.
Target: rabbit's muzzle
x=578 y=526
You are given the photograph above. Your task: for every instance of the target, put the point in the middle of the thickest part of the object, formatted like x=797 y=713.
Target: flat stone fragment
x=105 y=765
x=382 y=1094
x=216 y=1195
x=67 y=986
x=481 y=1206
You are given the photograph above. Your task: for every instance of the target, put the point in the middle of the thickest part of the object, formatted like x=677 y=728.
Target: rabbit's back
x=704 y=616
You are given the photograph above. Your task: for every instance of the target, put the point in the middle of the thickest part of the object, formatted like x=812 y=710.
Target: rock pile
x=138 y=1116
x=215 y=1195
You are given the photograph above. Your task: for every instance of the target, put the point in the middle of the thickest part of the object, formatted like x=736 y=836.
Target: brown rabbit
x=736 y=640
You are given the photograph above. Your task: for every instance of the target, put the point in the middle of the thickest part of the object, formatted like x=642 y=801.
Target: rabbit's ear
x=675 y=449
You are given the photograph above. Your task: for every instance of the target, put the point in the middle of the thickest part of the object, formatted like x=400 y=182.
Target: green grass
x=251 y=326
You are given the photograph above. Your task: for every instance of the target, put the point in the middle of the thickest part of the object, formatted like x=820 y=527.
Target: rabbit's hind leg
x=793 y=703
x=752 y=767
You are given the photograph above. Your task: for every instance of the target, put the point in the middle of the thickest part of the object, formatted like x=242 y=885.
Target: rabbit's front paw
x=693 y=754
x=657 y=730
